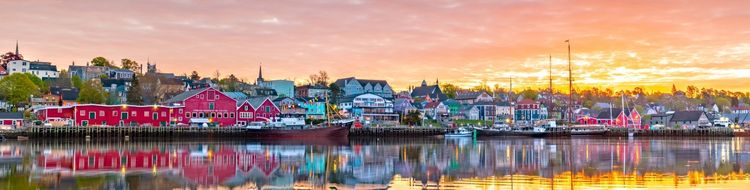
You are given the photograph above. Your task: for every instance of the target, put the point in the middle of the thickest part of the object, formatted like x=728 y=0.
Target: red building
x=620 y=117
x=112 y=115
x=207 y=105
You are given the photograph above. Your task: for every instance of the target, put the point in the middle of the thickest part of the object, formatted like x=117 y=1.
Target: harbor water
x=380 y=163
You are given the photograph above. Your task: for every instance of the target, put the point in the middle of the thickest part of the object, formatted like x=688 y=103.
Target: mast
x=625 y=116
x=570 y=85
x=550 y=76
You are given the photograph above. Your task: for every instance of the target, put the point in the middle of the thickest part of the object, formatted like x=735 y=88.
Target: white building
x=40 y=69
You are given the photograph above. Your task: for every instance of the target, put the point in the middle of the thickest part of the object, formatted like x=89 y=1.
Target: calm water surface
x=425 y=163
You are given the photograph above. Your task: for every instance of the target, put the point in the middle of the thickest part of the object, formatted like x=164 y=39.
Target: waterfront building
x=403 y=105
x=352 y=86
x=42 y=70
x=482 y=111
x=289 y=106
x=208 y=105
x=689 y=119
x=67 y=95
x=314 y=108
x=11 y=119
x=428 y=92
x=256 y=109
x=369 y=108
x=435 y=110
x=504 y=109
x=454 y=107
x=528 y=111
x=628 y=117
x=111 y=115
x=121 y=74
x=740 y=109
x=45 y=101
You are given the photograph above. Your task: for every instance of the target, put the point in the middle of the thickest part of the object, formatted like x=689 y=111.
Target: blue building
x=352 y=86
x=527 y=111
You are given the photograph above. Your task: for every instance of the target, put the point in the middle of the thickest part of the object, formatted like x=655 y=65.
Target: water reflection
x=380 y=163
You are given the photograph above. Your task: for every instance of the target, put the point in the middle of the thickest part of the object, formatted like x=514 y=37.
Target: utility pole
x=570 y=85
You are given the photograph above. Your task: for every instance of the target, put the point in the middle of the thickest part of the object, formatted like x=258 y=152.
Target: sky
x=615 y=44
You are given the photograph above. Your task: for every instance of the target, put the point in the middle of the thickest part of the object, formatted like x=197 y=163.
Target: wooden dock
x=397 y=131
x=707 y=132
x=130 y=132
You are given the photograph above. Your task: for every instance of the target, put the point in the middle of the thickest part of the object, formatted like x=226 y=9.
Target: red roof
x=527 y=101
x=432 y=105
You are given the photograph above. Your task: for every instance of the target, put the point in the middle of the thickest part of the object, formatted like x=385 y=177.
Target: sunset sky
x=618 y=44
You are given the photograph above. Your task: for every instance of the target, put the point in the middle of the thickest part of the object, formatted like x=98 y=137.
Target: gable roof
x=182 y=96
x=257 y=101
x=432 y=105
x=469 y=95
x=342 y=82
x=433 y=91
x=11 y=115
x=605 y=114
x=69 y=94
x=239 y=96
x=687 y=115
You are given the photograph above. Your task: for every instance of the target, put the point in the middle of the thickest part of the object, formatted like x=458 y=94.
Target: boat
x=326 y=130
x=461 y=132
x=546 y=128
x=583 y=130
x=535 y=131
x=493 y=131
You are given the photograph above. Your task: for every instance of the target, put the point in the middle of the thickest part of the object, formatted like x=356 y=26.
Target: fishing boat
x=493 y=131
x=295 y=128
x=587 y=130
x=461 y=132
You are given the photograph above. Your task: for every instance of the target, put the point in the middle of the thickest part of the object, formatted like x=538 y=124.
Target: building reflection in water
x=380 y=163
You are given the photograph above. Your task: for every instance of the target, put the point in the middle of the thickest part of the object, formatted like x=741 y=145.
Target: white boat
x=461 y=132
x=588 y=130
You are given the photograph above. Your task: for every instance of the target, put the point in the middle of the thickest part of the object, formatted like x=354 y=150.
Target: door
x=84 y=123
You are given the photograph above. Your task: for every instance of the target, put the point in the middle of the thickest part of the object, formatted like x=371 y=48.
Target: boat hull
x=340 y=130
x=588 y=132
x=491 y=132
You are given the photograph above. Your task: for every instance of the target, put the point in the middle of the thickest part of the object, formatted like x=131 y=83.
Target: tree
x=674 y=90
x=17 y=88
x=412 y=118
x=92 y=92
x=150 y=87
x=529 y=94
x=130 y=65
x=76 y=80
x=723 y=103
x=101 y=61
x=10 y=56
x=43 y=88
x=482 y=87
x=194 y=76
x=134 y=95
x=449 y=90
x=336 y=92
x=319 y=79
x=230 y=83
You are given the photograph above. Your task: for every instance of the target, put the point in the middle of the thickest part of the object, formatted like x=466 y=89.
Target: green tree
x=43 y=87
x=134 y=93
x=723 y=103
x=529 y=94
x=336 y=92
x=412 y=118
x=92 y=92
x=101 y=61
x=449 y=90
x=17 y=88
x=77 y=82
x=130 y=65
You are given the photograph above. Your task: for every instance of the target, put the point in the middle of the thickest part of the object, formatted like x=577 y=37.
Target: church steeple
x=437 y=81
x=424 y=83
x=260 y=80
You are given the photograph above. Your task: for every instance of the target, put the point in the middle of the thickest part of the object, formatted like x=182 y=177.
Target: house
x=369 y=108
x=689 y=119
x=428 y=92
x=204 y=106
x=314 y=108
x=482 y=111
x=256 y=109
x=352 y=86
x=45 y=100
x=117 y=89
x=88 y=72
x=289 y=106
x=435 y=110
x=468 y=98
x=454 y=107
x=527 y=111
x=122 y=74
x=120 y=115
x=661 y=119
x=628 y=117
x=403 y=105
x=311 y=91
x=11 y=119
x=40 y=69
x=740 y=109
x=68 y=96
x=504 y=109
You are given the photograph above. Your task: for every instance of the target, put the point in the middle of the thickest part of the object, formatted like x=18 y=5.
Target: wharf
x=397 y=131
x=706 y=132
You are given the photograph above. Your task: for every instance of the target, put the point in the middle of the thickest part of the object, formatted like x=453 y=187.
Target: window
x=114 y=113
x=226 y=114
x=180 y=111
x=145 y=114
x=268 y=109
x=195 y=114
x=92 y=115
x=213 y=114
x=211 y=105
x=203 y=115
x=155 y=116
x=124 y=115
x=133 y=113
x=101 y=113
x=59 y=110
x=187 y=115
x=83 y=113
x=218 y=115
x=231 y=115
x=246 y=108
x=164 y=114
x=216 y=97
x=201 y=96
